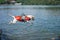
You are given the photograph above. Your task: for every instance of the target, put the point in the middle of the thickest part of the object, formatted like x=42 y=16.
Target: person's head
x=23 y=14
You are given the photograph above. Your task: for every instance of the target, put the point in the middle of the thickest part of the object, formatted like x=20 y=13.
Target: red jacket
x=19 y=18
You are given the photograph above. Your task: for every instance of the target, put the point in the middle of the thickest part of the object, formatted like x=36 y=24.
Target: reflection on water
x=45 y=26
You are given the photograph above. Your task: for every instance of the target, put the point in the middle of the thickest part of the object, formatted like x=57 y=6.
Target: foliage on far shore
x=39 y=2
x=36 y=2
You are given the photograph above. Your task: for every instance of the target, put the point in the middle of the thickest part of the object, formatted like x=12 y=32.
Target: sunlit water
x=45 y=26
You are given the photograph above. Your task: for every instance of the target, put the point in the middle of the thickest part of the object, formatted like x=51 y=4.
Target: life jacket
x=27 y=18
x=19 y=18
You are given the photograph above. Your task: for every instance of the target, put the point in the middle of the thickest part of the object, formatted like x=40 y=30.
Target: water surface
x=45 y=26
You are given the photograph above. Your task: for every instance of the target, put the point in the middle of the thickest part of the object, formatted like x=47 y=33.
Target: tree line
x=36 y=2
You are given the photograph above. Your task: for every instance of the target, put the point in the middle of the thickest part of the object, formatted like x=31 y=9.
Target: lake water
x=45 y=26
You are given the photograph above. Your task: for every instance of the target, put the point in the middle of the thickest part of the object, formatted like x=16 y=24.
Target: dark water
x=45 y=26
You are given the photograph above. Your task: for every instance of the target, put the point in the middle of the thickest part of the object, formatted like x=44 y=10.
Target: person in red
x=24 y=18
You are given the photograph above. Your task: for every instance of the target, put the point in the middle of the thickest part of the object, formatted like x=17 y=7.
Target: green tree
x=37 y=2
x=2 y=1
